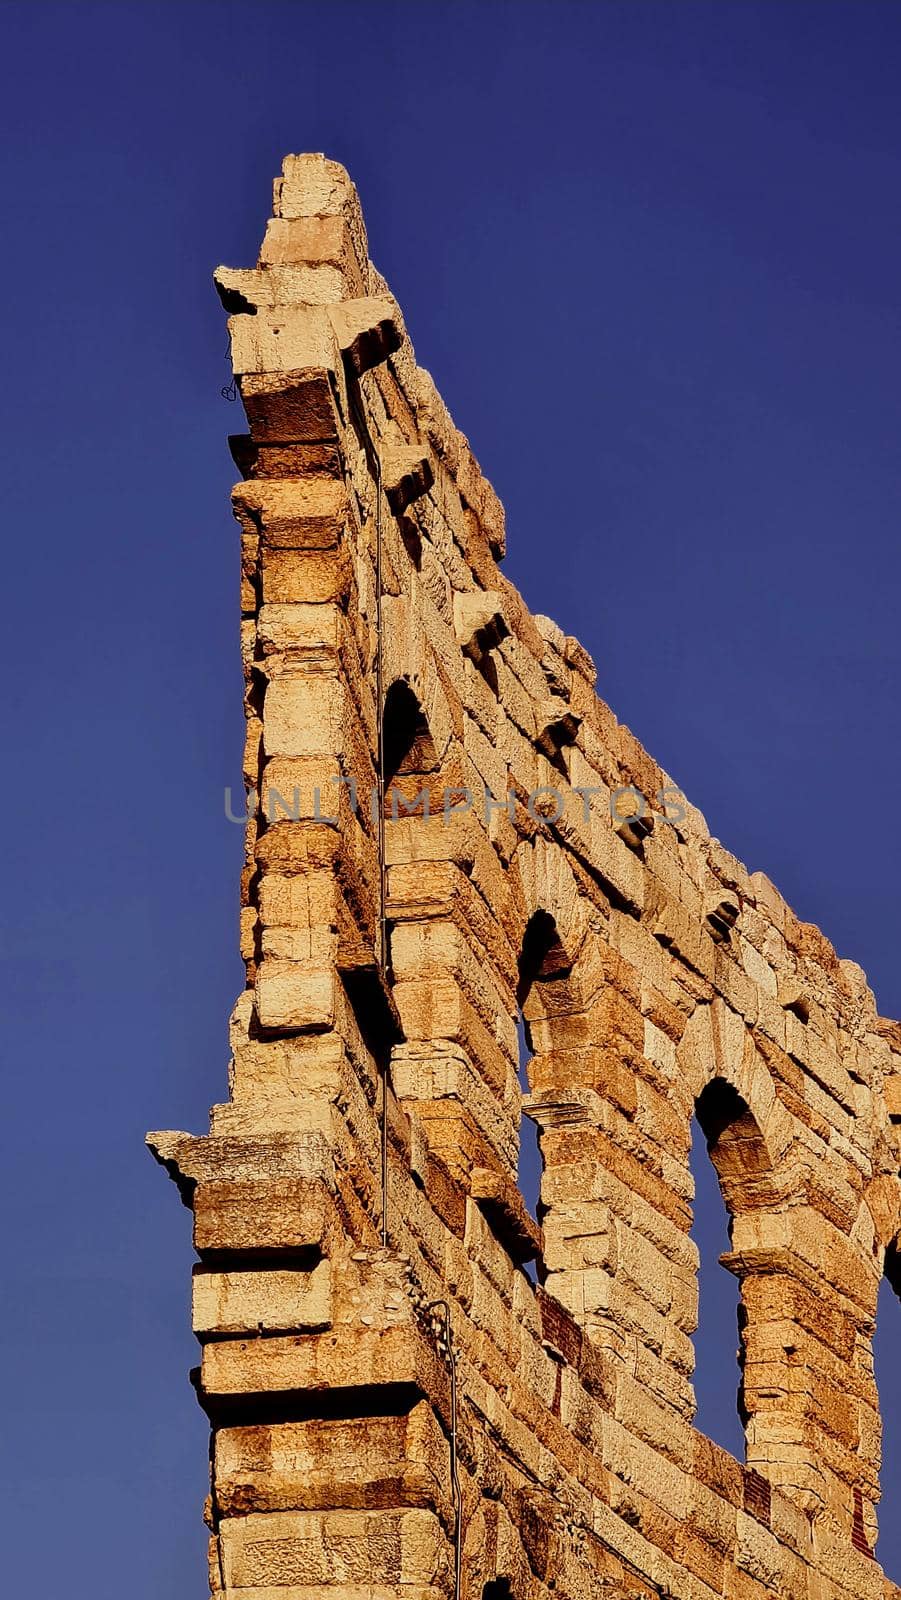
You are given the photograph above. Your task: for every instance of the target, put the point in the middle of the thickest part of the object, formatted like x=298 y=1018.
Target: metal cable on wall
x=438 y=1314
x=382 y=952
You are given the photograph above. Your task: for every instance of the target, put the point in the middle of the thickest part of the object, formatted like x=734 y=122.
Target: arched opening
x=542 y=963
x=528 y=1176
x=735 y=1179
x=543 y=958
x=717 y=1375
x=408 y=750
x=735 y=1146
x=498 y=1589
x=887 y=1369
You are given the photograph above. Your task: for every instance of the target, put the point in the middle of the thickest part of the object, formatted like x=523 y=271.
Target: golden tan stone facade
x=397 y=1408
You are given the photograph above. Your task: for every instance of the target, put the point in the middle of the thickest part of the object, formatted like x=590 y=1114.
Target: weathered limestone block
x=304 y=715
x=433 y=1071
x=368 y=330
x=438 y=1008
x=340 y=1547
x=193 y=1161
x=257 y=1215
x=479 y=622
x=297 y=514
x=296 y=407
x=284 y=339
x=290 y=994
x=423 y=890
x=312 y=187
x=312 y=339
x=308 y=629
x=327 y=247
x=353 y=1358
x=406 y=474
x=324 y=1463
x=443 y=946
x=252 y=1301
x=299 y=577
x=302 y=265
x=557 y=724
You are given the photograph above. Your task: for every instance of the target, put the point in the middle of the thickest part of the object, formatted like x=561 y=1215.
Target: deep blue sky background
x=651 y=253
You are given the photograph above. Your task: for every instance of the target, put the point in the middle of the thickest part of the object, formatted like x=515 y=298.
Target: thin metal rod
x=382 y=951
x=380 y=722
x=456 y=1491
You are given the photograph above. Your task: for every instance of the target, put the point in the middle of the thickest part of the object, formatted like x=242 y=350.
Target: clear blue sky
x=651 y=253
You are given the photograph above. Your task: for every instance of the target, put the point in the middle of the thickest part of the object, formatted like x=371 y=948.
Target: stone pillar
x=294 y=1298
x=807 y=1311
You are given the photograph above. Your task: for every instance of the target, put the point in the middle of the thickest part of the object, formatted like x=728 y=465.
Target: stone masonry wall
x=397 y=1408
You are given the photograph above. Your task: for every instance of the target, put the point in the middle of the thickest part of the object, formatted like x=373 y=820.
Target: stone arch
x=408 y=749
x=549 y=1013
x=717 y=1044
x=803 y=1380
x=741 y=1161
x=556 y=977
x=546 y=883
x=547 y=990
x=875 y=1380
x=878 y=1238
x=736 y=1147
x=453 y=965
x=727 y=1086
x=613 y=1253
x=417 y=763
x=404 y=660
